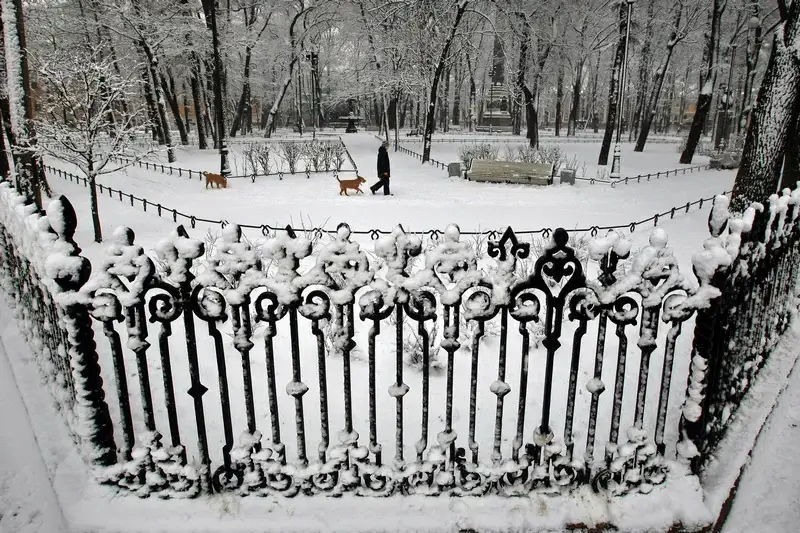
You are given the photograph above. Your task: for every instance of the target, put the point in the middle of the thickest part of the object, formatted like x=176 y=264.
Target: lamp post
x=616 y=161
x=313 y=57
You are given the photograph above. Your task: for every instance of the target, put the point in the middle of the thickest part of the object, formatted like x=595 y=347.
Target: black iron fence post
x=94 y=417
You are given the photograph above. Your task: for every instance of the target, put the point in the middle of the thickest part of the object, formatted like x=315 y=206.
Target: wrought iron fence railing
x=493 y=362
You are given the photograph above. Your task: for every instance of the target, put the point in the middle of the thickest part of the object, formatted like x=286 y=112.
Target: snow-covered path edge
x=721 y=477
x=28 y=503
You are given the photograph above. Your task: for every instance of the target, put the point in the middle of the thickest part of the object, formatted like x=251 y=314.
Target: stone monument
x=497 y=116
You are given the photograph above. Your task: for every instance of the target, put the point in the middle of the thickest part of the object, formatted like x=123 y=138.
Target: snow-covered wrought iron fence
x=454 y=369
x=757 y=260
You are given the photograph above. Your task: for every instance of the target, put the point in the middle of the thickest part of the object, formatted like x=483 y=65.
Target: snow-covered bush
x=263 y=158
x=543 y=155
x=314 y=155
x=468 y=152
x=291 y=152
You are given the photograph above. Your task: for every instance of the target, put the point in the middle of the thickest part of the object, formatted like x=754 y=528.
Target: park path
x=768 y=497
x=28 y=503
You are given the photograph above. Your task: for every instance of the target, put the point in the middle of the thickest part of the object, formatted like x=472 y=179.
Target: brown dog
x=215 y=179
x=350 y=184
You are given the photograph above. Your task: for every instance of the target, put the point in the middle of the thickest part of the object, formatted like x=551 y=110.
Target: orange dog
x=350 y=184
x=215 y=179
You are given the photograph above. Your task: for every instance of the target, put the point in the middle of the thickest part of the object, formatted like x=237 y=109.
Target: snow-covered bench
x=510 y=172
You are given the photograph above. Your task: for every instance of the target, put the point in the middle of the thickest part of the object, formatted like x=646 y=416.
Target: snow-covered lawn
x=424 y=197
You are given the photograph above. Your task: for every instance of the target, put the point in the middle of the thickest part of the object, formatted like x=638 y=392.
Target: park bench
x=412 y=133
x=510 y=172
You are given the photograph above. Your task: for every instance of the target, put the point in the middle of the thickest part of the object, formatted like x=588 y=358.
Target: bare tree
x=708 y=79
x=84 y=89
x=430 y=122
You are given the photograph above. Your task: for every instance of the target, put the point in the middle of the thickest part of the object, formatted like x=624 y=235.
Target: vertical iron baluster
x=374 y=331
x=242 y=331
x=399 y=390
x=224 y=396
x=580 y=331
x=347 y=375
x=297 y=388
x=473 y=390
x=619 y=386
x=426 y=387
x=121 y=379
x=197 y=389
x=450 y=345
x=602 y=324
x=551 y=343
x=500 y=388
x=137 y=340
x=272 y=392
x=169 y=388
x=323 y=391
x=523 y=390
x=648 y=334
x=666 y=380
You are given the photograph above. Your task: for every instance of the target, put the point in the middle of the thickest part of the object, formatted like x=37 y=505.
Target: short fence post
x=97 y=434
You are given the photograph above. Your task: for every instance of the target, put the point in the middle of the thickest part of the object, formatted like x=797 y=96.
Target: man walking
x=383 y=170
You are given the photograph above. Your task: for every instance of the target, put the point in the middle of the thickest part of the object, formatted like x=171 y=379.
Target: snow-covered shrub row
x=543 y=154
x=267 y=158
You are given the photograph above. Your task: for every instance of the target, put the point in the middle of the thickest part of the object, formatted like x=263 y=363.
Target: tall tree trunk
x=186 y=112
x=522 y=69
x=751 y=62
x=645 y=57
x=5 y=166
x=575 y=108
x=152 y=113
x=174 y=106
x=245 y=96
x=559 y=97
x=459 y=83
x=210 y=7
x=158 y=96
x=94 y=207
x=707 y=81
x=790 y=176
x=431 y=112
x=595 y=114
x=271 y=125
x=29 y=169
x=197 y=100
x=445 y=114
x=658 y=83
x=472 y=116
x=529 y=93
x=772 y=119
x=614 y=88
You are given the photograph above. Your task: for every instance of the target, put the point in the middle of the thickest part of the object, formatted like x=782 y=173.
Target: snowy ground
x=768 y=497
x=424 y=197
x=28 y=503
